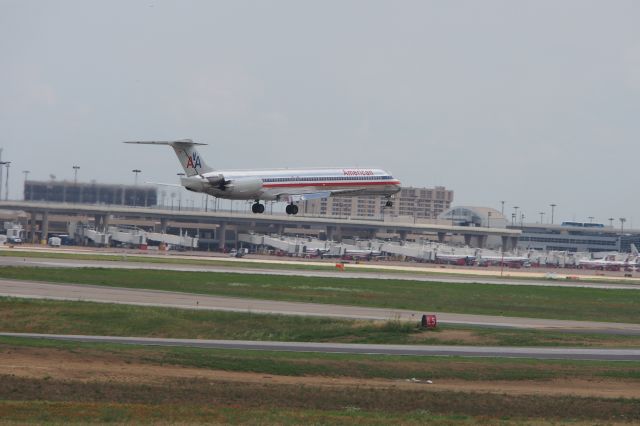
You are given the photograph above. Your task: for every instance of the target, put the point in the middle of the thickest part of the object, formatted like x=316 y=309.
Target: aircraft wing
x=304 y=197
x=346 y=192
x=164 y=184
x=316 y=195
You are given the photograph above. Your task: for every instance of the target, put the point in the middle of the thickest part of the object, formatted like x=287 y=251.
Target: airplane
x=290 y=185
x=510 y=261
x=361 y=254
x=609 y=264
x=456 y=259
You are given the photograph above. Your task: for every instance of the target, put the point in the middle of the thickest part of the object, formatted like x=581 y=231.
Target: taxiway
x=352 y=348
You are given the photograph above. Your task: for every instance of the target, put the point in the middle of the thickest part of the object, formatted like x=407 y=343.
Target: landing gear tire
x=389 y=203
x=257 y=208
x=291 y=209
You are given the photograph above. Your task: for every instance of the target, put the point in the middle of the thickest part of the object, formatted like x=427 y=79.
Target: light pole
x=26 y=175
x=541 y=218
x=611 y=221
x=135 y=183
x=502 y=209
x=6 y=183
x=180 y=193
x=590 y=219
x=515 y=214
x=2 y=163
x=622 y=221
x=553 y=207
x=136 y=171
x=75 y=174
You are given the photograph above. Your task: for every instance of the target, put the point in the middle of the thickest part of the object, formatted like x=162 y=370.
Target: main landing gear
x=389 y=203
x=257 y=207
x=292 y=209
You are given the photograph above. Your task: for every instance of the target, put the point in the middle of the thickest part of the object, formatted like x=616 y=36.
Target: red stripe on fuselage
x=332 y=184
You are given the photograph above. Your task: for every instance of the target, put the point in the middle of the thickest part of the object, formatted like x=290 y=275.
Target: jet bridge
x=176 y=240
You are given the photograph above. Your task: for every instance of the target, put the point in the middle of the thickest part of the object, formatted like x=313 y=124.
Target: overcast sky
x=531 y=102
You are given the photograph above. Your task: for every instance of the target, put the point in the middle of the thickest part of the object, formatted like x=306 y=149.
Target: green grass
x=224 y=403
x=30 y=412
x=61 y=317
x=518 y=301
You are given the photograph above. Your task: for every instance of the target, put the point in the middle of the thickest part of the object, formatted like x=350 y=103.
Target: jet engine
x=194 y=184
x=248 y=187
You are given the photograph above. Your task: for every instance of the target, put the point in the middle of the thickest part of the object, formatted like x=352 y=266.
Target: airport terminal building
x=576 y=237
x=90 y=193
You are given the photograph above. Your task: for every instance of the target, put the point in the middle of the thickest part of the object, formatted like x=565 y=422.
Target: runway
x=104 y=294
x=349 y=348
x=387 y=275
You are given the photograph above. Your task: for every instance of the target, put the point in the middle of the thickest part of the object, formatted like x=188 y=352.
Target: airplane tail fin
x=634 y=250
x=188 y=156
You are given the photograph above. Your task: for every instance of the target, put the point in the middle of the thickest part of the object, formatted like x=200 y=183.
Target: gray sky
x=532 y=102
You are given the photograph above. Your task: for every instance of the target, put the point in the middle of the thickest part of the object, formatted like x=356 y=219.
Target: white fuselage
x=280 y=184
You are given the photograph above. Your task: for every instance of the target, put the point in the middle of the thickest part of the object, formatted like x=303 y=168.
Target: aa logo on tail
x=194 y=160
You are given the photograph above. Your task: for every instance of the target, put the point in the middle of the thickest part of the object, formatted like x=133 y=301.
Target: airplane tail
x=634 y=250
x=189 y=157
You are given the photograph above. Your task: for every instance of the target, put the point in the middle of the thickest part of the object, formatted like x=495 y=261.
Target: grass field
x=72 y=412
x=518 y=301
x=45 y=398
x=204 y=401
x=58 y=317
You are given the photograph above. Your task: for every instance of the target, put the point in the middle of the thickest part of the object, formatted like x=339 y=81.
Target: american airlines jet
x=289 y=185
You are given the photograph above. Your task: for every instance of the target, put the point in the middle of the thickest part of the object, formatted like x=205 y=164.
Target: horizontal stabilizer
x=170 y=143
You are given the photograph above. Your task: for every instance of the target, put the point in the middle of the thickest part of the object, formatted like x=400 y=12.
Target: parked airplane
x=511 y=261
x=611 y=261
x=609 y=264
x=361 y=254
x=455 y=259
x=290 y=185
